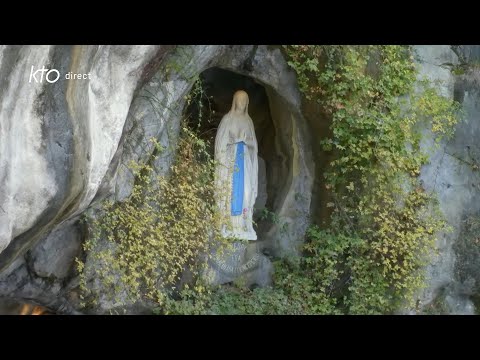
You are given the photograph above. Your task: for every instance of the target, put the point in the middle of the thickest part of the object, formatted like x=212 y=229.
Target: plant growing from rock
x=157 y=240
x=376 y=112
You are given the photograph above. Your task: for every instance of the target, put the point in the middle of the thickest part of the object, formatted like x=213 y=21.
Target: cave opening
x=211 y=100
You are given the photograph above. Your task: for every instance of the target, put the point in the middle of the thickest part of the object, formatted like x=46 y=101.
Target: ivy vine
x=377 y=109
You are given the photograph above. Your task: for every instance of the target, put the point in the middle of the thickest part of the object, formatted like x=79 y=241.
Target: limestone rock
x=64 y=146
x=55 y=256
x=57 y=139
x=450 y=176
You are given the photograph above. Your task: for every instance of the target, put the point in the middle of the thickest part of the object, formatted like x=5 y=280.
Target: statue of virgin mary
x=236 y=175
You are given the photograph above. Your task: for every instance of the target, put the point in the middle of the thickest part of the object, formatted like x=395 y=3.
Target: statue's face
x=241 y=101
x=241 y=104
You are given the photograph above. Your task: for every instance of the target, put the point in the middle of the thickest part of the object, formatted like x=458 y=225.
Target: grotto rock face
x=67 y=145
x=58 y=139
x=453 y=277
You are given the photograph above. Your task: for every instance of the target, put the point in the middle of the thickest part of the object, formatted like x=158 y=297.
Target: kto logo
x=51 y=78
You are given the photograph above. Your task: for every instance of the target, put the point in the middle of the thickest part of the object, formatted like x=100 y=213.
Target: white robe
x=236 y=127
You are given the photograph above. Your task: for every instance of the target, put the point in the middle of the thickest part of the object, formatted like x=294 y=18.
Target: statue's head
x=240 y=102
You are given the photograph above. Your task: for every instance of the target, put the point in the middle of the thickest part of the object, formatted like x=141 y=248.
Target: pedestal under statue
x=236 y=176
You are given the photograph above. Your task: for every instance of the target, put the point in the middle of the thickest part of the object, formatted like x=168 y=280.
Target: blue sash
x=238 y=181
